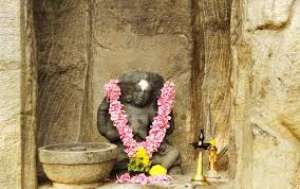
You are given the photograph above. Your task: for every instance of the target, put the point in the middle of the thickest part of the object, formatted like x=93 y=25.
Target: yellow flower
x=142 y=155
x=140 y=162
x=213 y=142
x=141 y=152
x=157 y=170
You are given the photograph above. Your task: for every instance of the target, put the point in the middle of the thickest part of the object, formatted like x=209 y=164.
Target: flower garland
x=157 y=131
x=160 y=122
x=143 y=179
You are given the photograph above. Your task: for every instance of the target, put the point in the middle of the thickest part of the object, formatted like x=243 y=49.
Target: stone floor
x=180 y=182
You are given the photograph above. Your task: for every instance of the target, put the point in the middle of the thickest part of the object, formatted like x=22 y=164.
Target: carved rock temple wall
x=62 y=32
x=266 y=79
x=18 y=77
x=239 y=59
x=211 y=71
x=10 y=71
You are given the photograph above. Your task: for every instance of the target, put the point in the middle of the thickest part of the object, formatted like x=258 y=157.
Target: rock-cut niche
x=82 y=44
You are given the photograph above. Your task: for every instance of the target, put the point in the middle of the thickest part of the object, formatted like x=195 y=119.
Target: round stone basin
x=78 y=164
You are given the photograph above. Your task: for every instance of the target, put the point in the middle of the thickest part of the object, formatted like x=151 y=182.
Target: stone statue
x=140 y=91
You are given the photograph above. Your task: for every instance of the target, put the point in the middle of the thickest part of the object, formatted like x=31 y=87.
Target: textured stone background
x=62 y=34
x=275 y=43
x=247 y=68
x=266 y=76
x=211 y=70
x=10 y=101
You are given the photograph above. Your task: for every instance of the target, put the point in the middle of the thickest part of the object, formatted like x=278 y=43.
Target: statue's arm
x=104 y=123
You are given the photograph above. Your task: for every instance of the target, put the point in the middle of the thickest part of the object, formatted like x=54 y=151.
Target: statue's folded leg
x=176 y=168
x=169 y=158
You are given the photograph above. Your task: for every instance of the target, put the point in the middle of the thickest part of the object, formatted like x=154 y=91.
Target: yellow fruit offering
x=157 y=170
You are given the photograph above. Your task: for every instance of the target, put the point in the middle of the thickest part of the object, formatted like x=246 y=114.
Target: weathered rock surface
x=62 y=43
x=267 y=67
x=82 y=44
x=10 y=101
x=269 y=14
x=211 y=69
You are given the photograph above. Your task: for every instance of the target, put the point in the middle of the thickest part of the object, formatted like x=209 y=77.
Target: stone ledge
x=180 y=182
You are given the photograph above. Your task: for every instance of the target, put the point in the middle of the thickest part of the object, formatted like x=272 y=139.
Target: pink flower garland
x=160 y=122
x=143 y=179
x=156 y=134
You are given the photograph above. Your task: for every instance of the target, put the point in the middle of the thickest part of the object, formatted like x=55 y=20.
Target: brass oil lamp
x=200 y=146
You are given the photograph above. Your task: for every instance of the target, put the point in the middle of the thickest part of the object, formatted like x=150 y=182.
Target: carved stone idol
x=140 y=91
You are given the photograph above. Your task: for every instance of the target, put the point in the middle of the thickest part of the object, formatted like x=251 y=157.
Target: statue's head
x=140 y=88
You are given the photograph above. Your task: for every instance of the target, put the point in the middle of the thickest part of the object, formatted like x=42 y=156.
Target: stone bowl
x=78 y=164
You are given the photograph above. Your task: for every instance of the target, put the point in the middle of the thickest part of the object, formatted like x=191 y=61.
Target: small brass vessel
x=212 y=159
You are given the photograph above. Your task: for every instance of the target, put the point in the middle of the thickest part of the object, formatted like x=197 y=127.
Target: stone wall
x=10 y=100
x=82 y=44
x=18 y=95
x=62 y=30
x=211 y=70
x=266 y=45
x=28 y=96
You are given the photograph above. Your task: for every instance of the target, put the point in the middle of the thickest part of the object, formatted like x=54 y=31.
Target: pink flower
x=125 y=178
x=160 y=180
x=140 y=179
x=112 y=92
x=143 y=179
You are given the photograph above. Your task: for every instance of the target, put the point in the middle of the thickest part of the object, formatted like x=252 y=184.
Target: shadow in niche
x=64 y=55
x=211 y=73
x=64 y=110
